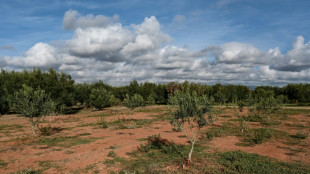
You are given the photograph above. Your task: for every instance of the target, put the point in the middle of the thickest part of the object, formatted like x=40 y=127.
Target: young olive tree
x=269 y=106
x=133 y=101
x=32 y=104
x=188 y=112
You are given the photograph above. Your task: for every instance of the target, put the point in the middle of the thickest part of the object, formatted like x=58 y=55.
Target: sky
x=246 y=42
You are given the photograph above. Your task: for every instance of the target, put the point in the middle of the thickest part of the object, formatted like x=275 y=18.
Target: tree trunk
x=189 y=160
x=32 y=127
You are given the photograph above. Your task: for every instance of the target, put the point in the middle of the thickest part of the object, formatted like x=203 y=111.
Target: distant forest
x=66 y=93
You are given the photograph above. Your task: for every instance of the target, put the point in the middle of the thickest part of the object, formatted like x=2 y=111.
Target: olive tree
x=133 y=101
x=269 y=106
x=99 y=98
x=32 y=104
x=188 y=112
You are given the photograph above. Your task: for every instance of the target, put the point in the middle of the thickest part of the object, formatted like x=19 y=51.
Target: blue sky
x=211 y=33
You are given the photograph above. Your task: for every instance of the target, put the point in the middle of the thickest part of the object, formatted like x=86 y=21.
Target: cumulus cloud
x=100 y=43
x=297 y=59
x=73 y=20
x=103 y=49
x=40 y=55
x=235 y=53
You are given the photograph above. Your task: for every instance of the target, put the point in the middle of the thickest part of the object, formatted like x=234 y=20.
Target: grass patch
x=48 y=130
x=113 y=147
x=102 y=123
x=91 y=167
x=226 y=116
x=148 y=110
x=295 y=125
x=291 y=111
x=64 y=141
x=87 y=124
x=112 y=154
x=157 y=154
x=130 y=123
x=253 y=118
x=241 y=162
x=142 y=139
x=101 y=115
x=71 y=119
x=257 y=136
x=69 y=152
x=45 y=165
x=3 y=164
x=224 y=130
x=11 y=127
x=84 y=134
x=28 y=171
x=161 y=156
x=301 y=134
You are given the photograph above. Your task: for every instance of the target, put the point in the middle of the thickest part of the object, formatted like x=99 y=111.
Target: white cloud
x=40 y=55
x=297 y=59
x=100 y=43
x=73 y=20
x=102 y=49
x=236 y=53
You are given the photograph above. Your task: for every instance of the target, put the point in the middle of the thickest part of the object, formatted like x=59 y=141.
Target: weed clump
x=161 y=144
x=48 y=130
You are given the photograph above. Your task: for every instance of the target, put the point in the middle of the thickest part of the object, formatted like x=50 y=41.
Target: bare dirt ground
x=20 y=151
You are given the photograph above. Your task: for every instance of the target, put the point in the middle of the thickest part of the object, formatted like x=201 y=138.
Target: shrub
x=103 y=123
x=48 y=130
x=112 y=154
x=301 y=134
x=258 y=136
x=156 y=142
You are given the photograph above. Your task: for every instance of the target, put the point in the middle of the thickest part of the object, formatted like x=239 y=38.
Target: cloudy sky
x=247 y=42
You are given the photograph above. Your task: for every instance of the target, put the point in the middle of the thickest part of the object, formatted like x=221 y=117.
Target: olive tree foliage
x=32 y=104
x=133 y=101
x=269 y=106
x=188 y=112
x=99 y=98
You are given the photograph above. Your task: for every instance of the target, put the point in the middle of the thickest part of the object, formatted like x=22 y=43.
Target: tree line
x=65 y=92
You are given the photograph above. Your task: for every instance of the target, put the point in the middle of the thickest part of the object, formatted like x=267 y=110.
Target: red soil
x=25 y=153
